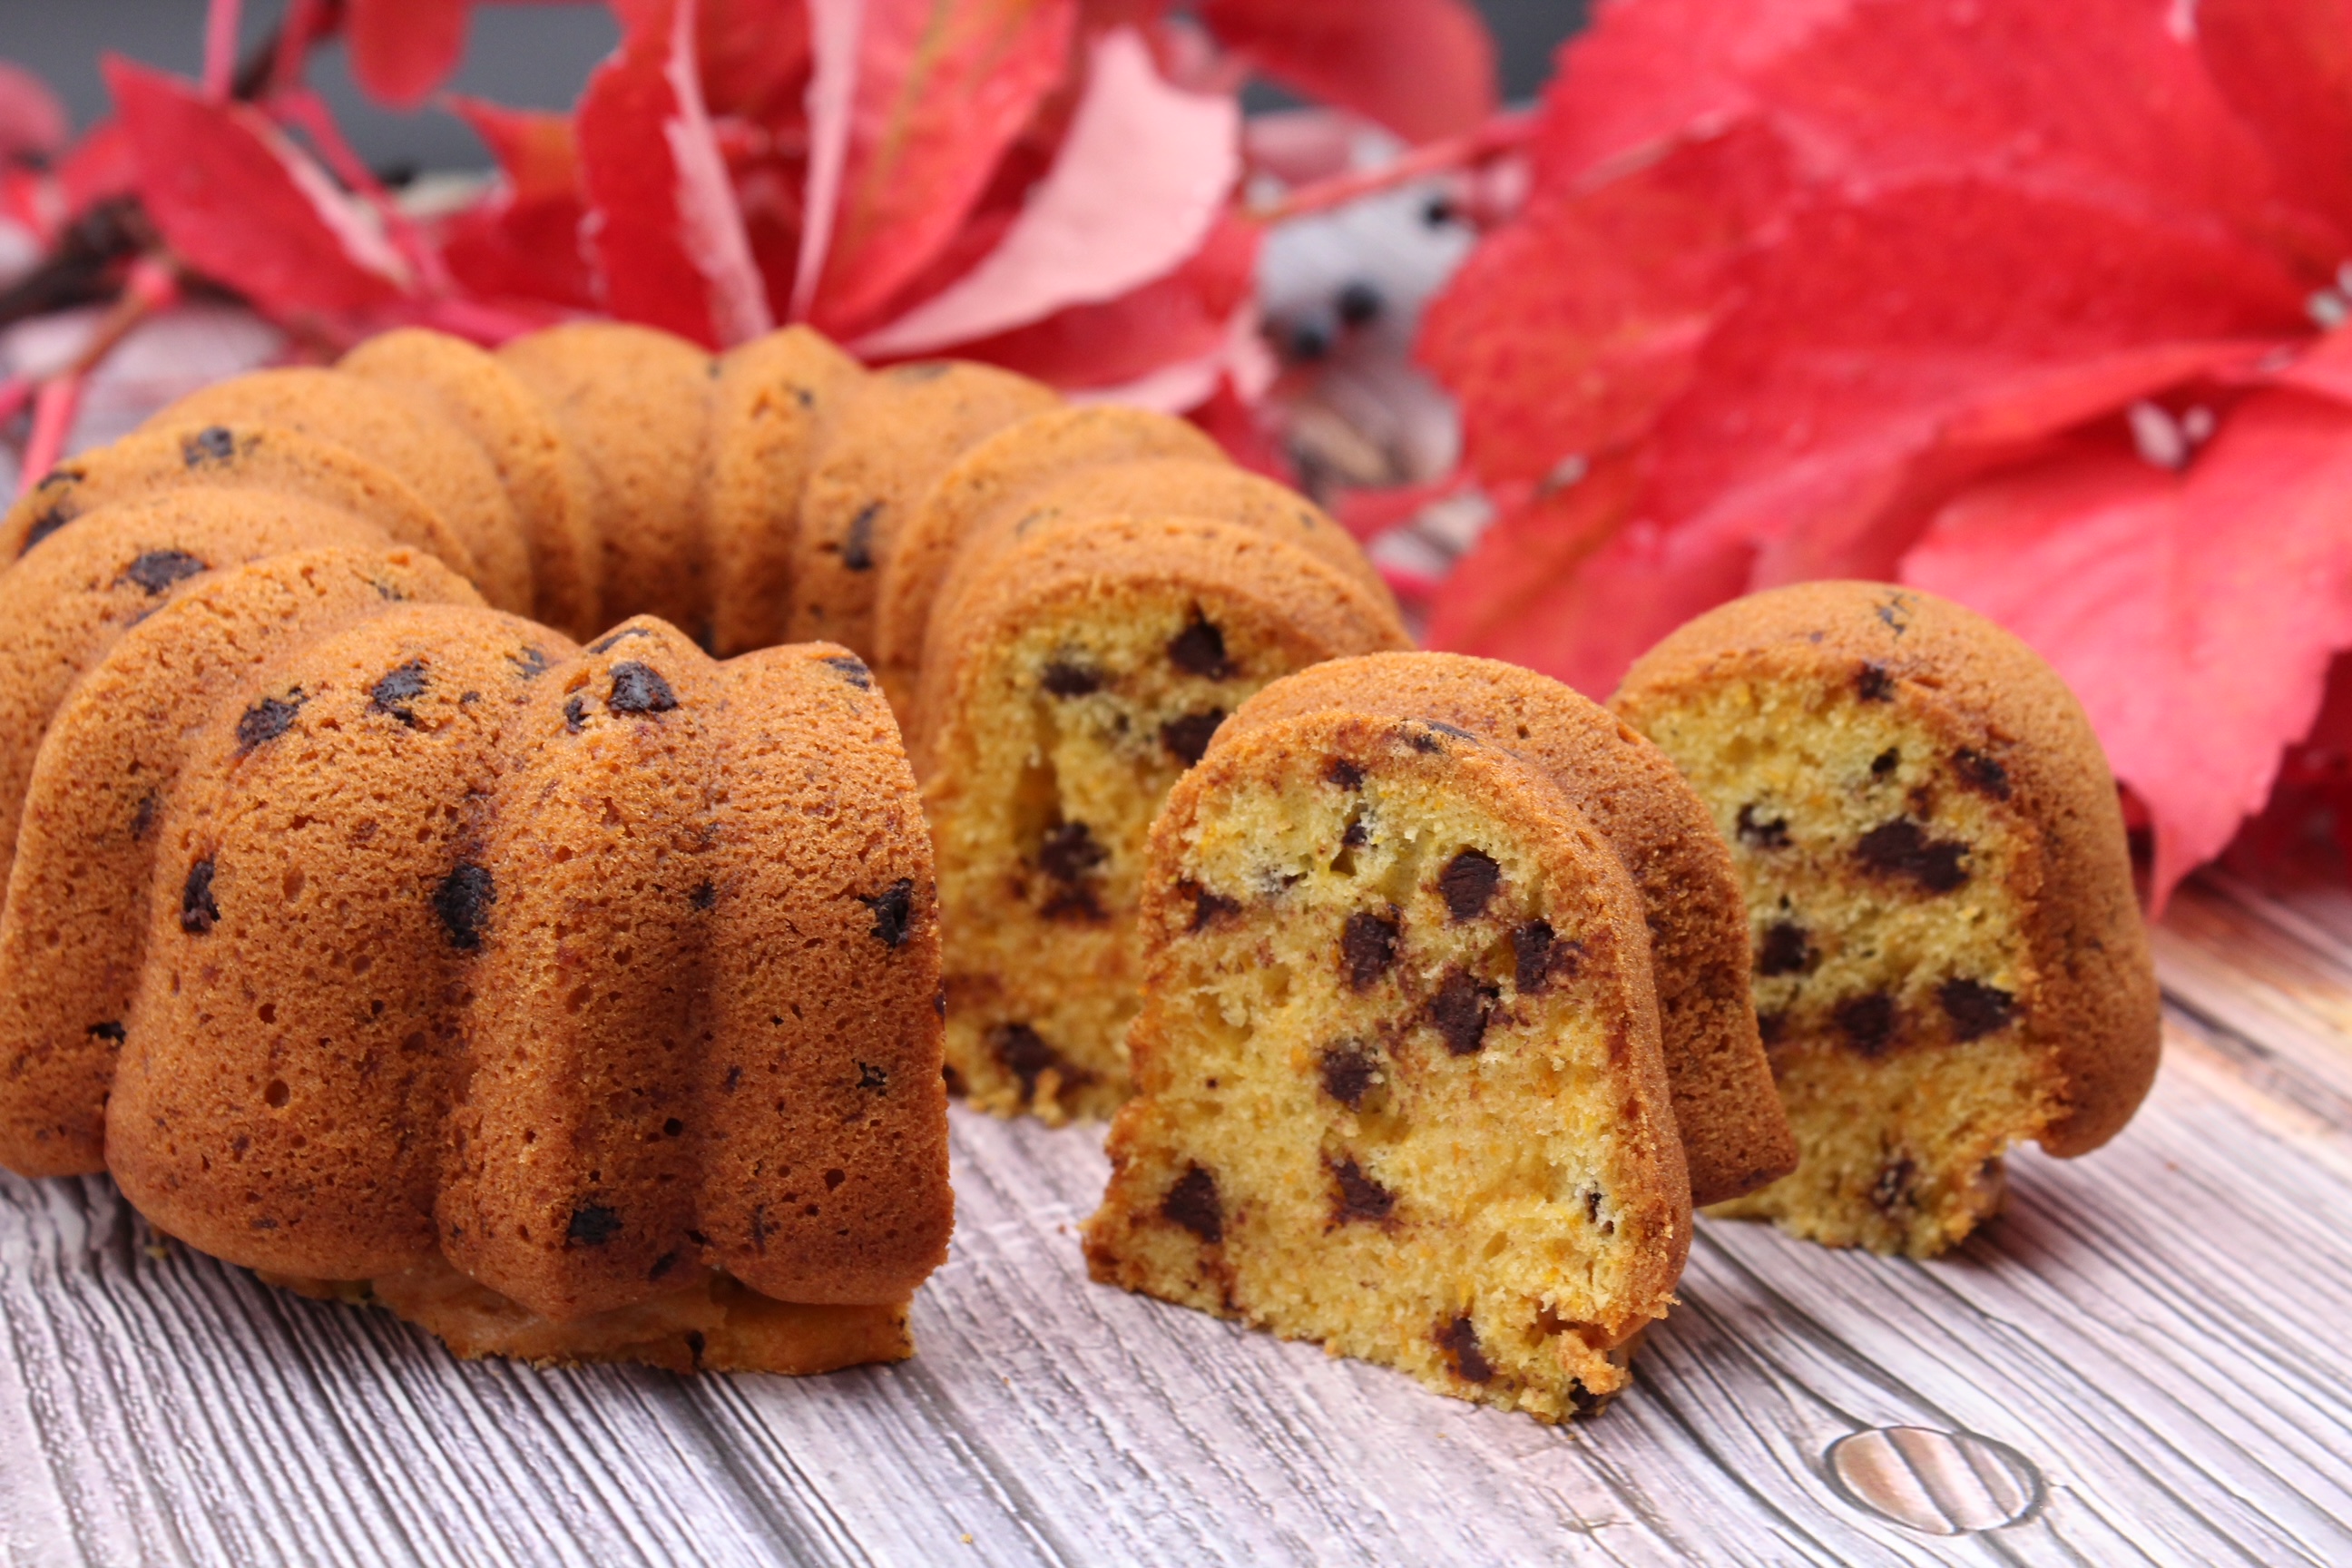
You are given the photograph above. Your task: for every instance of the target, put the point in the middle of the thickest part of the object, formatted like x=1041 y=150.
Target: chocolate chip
x=1200 y=649
x=265 y=720
x=662 y=1265
x=1885 y=762
x=1981 y=773
x=1459 y=1012
x=198 y=913
x=1771 y=1026
x=1367 y=947
x=894 y=912
x=1867 y=1022
x=462 y=902
x=159 y=569
x=1189 y=737
x=142 y=816
x=1539 y=955
x=1023 y=1052
x=530 y=663
x=213 y=444
x=1424 y=738
x=1787 y=949
x=613 y=640
x=110 y=1032
x=1069 y=852
x=1459 y=1341
x=857 y=545
x=394 y=693
x=1349 y=1070
x=1467 y=883
x=851 y=668
x=1773 y=834
x=1975 y=1008
x=1343 y=772
x=1356 y=835
x=1895 y=610
x=705 y=894
x=639 y=688
x=575 y=713
x=1192 y=1202
x=1064 y=678
x=593 y=1224
x=1902 y=849
x=1891 y=1194
x=872 y=1078
x=1209 y=907
x=48 y=522
x=1359 y=1196
x=1873 y=684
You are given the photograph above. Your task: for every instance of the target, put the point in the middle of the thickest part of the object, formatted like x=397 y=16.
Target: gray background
x=529 y=56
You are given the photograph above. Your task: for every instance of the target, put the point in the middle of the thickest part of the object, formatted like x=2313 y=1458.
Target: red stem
x=1505 y=133
x=53 y=407
x=220 y=48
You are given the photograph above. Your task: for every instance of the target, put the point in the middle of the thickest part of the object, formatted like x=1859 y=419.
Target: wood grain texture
x=2152 y=1344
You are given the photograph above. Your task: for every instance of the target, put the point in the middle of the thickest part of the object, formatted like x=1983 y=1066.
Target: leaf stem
x=1507 y=133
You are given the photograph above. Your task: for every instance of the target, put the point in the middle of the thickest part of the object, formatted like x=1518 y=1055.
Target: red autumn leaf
x=933 y=92
x=536 y=149
x=33 y=123
x=523 y=242
x=402 y=50
x=754 y=55
x=2194 y=614
x=664 y=228
x=2285 y=67
x=239 y=203
x=1423 y=69
x=1139 y=185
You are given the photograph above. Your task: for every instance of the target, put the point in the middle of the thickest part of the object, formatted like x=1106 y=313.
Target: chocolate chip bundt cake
x=1400 y=1084
x=1948 y=956
x=574 y=1002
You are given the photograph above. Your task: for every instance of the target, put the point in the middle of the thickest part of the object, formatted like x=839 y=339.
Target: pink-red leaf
x=1138 y=186
x=1424 y=69
x=241 y=204
x=2194 y=614
x=928 y=99
x=402 y=50
x=32 y=122
x=2286 y=68
x=536 y=149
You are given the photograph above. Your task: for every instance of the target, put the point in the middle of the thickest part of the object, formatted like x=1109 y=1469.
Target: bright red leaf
x=402 y=50
x=32 y=122
x=1423 y=69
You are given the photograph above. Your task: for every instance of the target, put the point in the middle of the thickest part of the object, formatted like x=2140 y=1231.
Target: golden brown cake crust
x=2098 y=1010
x=1735 y=1136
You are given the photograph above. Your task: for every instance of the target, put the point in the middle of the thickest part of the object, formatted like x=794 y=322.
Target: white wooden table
x=2147 y=1359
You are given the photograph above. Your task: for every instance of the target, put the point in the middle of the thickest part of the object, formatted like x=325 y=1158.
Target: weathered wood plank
x=2156 y=1331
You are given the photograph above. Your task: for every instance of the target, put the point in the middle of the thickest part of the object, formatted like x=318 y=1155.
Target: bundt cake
x=1949 y=955
x=1399 y=1081
x=587 y=1001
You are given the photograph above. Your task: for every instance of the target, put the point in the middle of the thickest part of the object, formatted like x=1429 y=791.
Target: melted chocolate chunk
x=1459 y=1341
x=110 y=1032
x=396 y=691
x=1891 y=1194
x=1356 y=835
x=48 y=522
x=1459 y=1012
x=606 y=644
x=593 y=1224
x=872 y=1078
x=1873 y=684
x=159 y=569
x=1189 y=737
x=575 y=713
x=1467 y=883
x=1357 y=1195
x=1192 y=1202
x=1349 y=1070
x=462 y=902
x=213 y=444
x=1023 y=1052
x=1367 y=947
x=1761 y=835
x=857 y=545
x=1885 y=762
x=1200 y=649
x=1209 y=907
x=530 y=662
x=1070 y=853
x=1787 y=949
x=1343 y=772
x=1424 y=738
x=851 y=668
x=705 y=894
x=1539 y=955
x=662 y=1265
x=893 y=911
x=198 y=913
x=1981 y=773
x=1064 y=678
x=1902 y=849
x=639 y=688
x=1975 y=1008
x=1867 y=1022
x=142 y=816
x=1771 y=1026
x=265 y=720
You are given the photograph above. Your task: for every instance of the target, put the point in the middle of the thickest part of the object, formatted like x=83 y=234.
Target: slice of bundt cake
x=1084 y=666
x=1735 y=1136
x=1948 y=956
x=1398 y=1073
